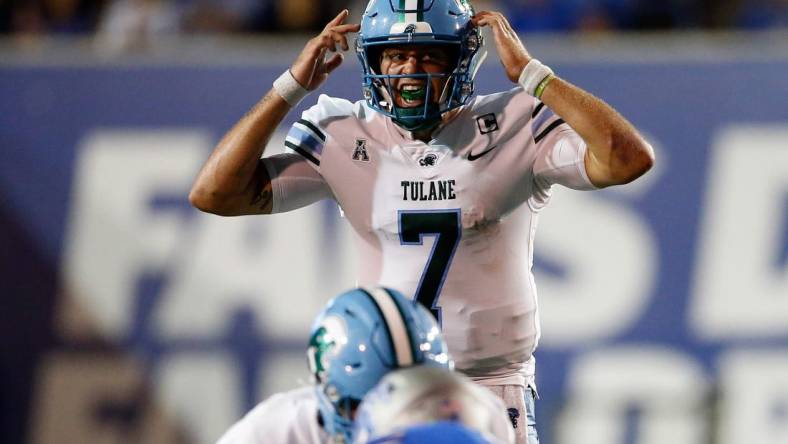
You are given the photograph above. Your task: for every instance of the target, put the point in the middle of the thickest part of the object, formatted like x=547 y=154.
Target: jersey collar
x=407 y=138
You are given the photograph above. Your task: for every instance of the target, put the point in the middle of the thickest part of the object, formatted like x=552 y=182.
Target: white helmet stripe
x=396 y=324
x=411 y=5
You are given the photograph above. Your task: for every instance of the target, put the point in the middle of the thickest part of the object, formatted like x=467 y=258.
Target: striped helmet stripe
x=396 y=325
x=416 y=6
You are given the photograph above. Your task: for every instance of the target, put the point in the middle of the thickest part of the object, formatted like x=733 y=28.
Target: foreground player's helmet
x=419 y=22
x=358 y=338
x=422 y=395
x=443 y=432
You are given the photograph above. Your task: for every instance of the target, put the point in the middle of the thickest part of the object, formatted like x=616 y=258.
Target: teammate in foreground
x=442 y=188
x=422 y=395
x=359 y=337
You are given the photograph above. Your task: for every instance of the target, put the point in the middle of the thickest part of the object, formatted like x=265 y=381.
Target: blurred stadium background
x=128 y=317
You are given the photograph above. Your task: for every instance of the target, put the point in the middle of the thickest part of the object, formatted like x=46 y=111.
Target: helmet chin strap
x=406 y=118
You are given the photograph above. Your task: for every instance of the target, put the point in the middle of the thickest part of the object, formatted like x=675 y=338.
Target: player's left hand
x=513 y=54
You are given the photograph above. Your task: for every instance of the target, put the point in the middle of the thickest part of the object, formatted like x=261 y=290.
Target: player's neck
x=426 y=135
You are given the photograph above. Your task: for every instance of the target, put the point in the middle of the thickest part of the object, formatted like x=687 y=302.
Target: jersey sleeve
x=560 y=157
x=309 y=135
x=297 y=177
x=294 y=183
x=285 y=418
x=259 y=426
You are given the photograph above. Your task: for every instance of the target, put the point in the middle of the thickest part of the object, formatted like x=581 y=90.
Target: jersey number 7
x=446 y=226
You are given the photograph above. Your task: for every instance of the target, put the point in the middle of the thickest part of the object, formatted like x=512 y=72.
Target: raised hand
x=513 y=54
x=312 y=67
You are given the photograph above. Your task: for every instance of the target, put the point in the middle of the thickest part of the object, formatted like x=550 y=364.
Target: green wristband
x=542 y=85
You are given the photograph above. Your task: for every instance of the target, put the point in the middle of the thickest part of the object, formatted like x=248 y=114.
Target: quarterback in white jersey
x=450 y=221
x=442 y=188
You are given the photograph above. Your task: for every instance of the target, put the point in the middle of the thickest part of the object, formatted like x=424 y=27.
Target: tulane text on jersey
x=433 y=190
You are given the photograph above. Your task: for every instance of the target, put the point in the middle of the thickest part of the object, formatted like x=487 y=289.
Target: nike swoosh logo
x=471 y=157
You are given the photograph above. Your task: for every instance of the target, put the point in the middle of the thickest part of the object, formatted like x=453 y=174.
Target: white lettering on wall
x=665 y=388
x=201 y=391
x=754 y=397
x=113 y=235
x=610 y=256
x=741 y=290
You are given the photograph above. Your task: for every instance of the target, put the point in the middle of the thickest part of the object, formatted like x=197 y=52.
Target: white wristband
x=289 y=89
x=532 y=75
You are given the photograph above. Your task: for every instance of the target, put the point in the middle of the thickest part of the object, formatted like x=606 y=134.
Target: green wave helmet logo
x=326 y=342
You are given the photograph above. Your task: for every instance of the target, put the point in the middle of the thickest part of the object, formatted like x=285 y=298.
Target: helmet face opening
x=422 y=116
x=347 y=407
x=375 y=52
x=438 y=23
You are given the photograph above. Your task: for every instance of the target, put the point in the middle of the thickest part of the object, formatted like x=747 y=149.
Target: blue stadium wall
x=128 y=316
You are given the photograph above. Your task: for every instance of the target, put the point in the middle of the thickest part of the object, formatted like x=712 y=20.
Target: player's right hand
x=312 y=67
x=511 y=50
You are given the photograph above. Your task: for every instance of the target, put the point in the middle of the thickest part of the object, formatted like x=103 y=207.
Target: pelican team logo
x=326 y=342
x=410 y=29
x=429 y=160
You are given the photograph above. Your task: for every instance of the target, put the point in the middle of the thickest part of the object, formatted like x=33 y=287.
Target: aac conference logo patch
x=360 y=152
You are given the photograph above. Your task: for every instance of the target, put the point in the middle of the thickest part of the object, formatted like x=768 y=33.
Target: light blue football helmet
x=419 y=22
x=357 y=339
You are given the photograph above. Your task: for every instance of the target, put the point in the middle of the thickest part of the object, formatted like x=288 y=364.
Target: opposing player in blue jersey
x=443 y=188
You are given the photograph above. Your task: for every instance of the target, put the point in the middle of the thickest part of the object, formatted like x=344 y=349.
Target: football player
x=443 y=188
x=421 y=395
x=359 y=337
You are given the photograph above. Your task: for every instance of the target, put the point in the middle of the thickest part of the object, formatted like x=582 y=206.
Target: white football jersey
x=285 y=418
x=451 y=221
